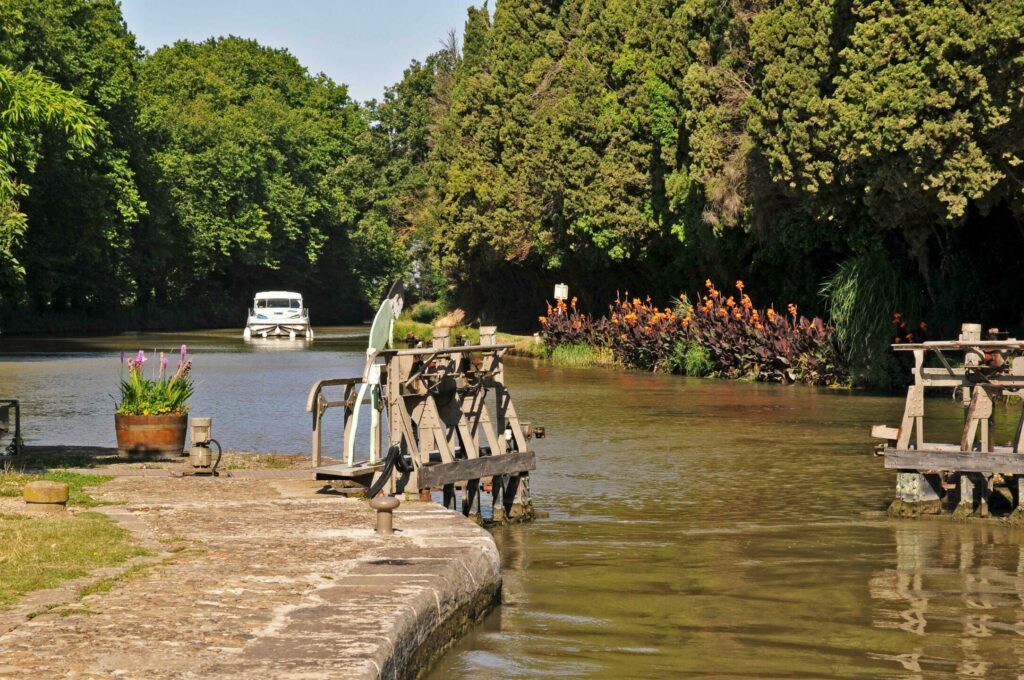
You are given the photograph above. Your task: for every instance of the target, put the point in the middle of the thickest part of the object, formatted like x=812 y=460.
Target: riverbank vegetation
x=714 y=335
x=859 y=158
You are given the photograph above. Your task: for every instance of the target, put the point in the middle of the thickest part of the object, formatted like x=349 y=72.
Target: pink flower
x=184 y=351
x=140 y=358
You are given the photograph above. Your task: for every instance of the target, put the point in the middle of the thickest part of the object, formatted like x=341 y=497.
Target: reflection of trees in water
x=959 y=591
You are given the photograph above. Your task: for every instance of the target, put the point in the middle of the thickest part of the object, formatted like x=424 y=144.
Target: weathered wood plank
x=884 y=432
x=440 y=474
x=951 y=461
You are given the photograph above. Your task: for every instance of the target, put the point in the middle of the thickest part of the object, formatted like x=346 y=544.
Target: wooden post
x=965 y=508
x=471 y=500
x=440 y=337
x=497 y=499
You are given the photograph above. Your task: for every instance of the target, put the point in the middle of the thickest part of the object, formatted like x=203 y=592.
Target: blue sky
x=364 y=44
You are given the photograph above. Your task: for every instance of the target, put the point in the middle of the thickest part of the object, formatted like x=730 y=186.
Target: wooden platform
x=1002 y=459
x=341 y=471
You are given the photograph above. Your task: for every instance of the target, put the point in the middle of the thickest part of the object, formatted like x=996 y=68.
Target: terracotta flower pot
x=151 y=435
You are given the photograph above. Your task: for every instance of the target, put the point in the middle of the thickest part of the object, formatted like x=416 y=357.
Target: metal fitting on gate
x=385 y=506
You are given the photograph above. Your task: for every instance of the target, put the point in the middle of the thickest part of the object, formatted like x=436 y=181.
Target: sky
x=365 y=44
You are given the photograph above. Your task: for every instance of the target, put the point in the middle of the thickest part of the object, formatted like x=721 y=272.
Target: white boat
x=278 y=313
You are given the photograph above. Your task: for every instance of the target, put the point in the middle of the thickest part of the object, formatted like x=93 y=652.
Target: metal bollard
x=384 y=505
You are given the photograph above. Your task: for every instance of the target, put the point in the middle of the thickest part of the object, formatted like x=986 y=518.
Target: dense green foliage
x=861 y=158
x=27 y=102
x=641 y=144
x=164 y=189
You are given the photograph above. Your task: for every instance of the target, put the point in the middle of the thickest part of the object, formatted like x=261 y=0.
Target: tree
x=29 y=104
x=260 y=164
x=84 y=210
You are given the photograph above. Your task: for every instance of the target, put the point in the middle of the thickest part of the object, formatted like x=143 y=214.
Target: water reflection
x=959 y=589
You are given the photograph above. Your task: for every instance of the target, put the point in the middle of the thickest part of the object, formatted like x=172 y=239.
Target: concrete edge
x=461 y=564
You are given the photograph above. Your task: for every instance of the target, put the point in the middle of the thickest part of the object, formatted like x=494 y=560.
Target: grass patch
x=582 y=355
x=40 y=552
x=12 y=483
x=258 y=461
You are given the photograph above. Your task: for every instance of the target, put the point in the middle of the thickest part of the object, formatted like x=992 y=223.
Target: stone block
x=44 y=491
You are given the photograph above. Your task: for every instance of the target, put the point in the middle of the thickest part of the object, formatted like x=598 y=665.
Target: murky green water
x=697 y=528
x=715 y=529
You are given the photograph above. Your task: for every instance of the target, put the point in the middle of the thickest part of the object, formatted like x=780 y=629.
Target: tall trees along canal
x=867 y=149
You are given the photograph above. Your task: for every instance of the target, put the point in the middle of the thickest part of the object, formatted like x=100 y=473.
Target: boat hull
x=279 y=329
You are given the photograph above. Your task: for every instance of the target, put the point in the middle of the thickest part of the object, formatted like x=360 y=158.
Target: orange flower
x=792 y=309
x=739 y=285
x=747 y=304
x=924 y=326
x=722 y=313
x=896 y=317
x=737 y=314
x=730 y=302
x=708 y=284
x=758 y=326
x=910 y=337
x=543 y=320
x=573 y=305
x=636 y=302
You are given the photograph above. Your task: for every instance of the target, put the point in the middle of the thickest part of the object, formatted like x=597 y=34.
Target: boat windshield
x=279 y=303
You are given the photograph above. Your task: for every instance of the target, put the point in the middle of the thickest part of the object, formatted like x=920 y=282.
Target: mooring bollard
x=385 y=506
x=46 y=496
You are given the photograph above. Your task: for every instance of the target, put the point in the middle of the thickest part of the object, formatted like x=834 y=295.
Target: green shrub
x=425 y=311
x=688 y=358
x=697 y=361
x=675 y=361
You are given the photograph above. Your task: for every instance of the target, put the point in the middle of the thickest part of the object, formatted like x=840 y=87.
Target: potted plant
x=152 y=413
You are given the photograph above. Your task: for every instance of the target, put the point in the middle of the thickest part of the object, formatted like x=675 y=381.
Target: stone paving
x=260 y=578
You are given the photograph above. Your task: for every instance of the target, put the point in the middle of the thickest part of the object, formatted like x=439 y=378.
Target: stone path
x=264 y=578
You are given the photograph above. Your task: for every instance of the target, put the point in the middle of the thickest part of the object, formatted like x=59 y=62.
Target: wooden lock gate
x=960 y=477
x=438 y=403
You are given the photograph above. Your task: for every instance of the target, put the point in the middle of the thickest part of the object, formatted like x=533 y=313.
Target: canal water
x=697 y=528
